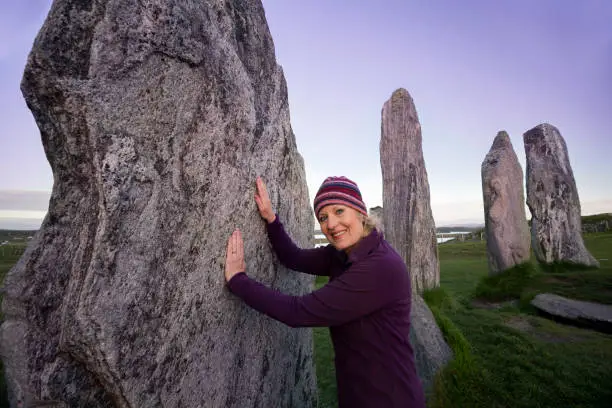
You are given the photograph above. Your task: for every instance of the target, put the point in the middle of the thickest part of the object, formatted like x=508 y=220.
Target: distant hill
x=460 y=228
x=590 y=223
x=15 y=235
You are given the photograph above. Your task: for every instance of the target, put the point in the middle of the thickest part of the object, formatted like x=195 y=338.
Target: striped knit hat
x=339 y=190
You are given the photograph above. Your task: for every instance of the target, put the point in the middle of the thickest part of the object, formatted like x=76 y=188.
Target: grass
x=9 y=255
x=516 y=358
x=509 y=284
x=515 y=368
x=324 y=361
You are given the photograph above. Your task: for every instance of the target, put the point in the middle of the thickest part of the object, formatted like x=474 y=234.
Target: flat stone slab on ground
x=596 y=316
x=483 y=304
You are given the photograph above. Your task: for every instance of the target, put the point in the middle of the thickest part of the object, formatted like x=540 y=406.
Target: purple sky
x=472 y=67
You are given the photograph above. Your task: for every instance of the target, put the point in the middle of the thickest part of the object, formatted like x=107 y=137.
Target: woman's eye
x=322 y=218
x=339 y=211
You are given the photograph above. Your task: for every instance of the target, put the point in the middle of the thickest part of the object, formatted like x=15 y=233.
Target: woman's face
x=342 y=226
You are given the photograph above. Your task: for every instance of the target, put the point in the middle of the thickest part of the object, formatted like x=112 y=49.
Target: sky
x=472 y=67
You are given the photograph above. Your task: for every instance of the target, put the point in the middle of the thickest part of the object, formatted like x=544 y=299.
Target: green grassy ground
x=516 y=358
x=324 y=362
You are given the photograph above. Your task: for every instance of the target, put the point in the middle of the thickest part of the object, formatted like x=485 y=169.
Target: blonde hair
x=369 y=224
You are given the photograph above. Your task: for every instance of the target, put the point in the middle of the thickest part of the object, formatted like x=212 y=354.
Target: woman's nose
x=331 y=222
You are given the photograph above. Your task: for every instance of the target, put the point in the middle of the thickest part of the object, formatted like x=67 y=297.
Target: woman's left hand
x=234 y=256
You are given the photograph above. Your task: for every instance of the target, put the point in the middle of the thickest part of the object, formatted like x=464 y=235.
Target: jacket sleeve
x=314 y=261
x=358 y=292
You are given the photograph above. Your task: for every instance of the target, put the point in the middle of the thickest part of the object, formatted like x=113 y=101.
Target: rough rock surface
x=586 y=314
x=409 y=226
x=552 y=198
x=156 y=117
x=408 y=220
x=504 y=207
x=431 y=352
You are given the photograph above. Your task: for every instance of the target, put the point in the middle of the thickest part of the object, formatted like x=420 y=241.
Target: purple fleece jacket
x=366 y=306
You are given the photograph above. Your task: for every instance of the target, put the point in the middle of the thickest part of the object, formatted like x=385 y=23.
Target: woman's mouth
x=337 y=235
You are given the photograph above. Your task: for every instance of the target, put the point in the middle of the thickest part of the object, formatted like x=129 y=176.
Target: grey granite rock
x=552 y=198
x=408 y=220
x=586 y=314
x=156 y=117
x=431 y=352
x=409 y=226
x=504 y=207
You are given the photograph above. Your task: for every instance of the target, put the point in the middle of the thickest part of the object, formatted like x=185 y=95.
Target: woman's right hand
x=264 y=205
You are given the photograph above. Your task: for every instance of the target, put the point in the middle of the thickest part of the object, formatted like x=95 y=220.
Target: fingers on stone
x=240 y=248
x=229 y=244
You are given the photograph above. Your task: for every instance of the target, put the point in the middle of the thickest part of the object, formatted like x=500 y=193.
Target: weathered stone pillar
x=552 y=198
x=156 y=117
x=409 y=226
x=504 y=207
x=408 y=220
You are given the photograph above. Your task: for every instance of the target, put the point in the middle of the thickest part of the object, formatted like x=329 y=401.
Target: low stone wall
x=600 y=226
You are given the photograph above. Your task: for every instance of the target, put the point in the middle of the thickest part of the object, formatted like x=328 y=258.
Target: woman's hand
x=234 y=256
x=264 y=205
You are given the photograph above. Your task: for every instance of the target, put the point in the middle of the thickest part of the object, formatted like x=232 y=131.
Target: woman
x=366 y=303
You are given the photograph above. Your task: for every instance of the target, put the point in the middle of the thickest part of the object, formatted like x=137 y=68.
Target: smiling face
x=342 y=226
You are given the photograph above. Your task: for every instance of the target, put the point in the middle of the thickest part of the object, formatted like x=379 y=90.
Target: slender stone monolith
x=552 y=198
x=408 y=220
x=504 y=207
x=156 y=117
x=409 y=226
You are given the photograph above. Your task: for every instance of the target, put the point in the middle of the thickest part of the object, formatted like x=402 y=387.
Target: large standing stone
x=504 y=207
x=552 y=198
x=156 y=117
x=409 y=223
x=409 y=226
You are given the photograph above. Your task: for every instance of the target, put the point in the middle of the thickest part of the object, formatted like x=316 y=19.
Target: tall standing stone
x=552 y=198
x=408 y=220
x=504 y=207
x=409 y=226
x=156 y=117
